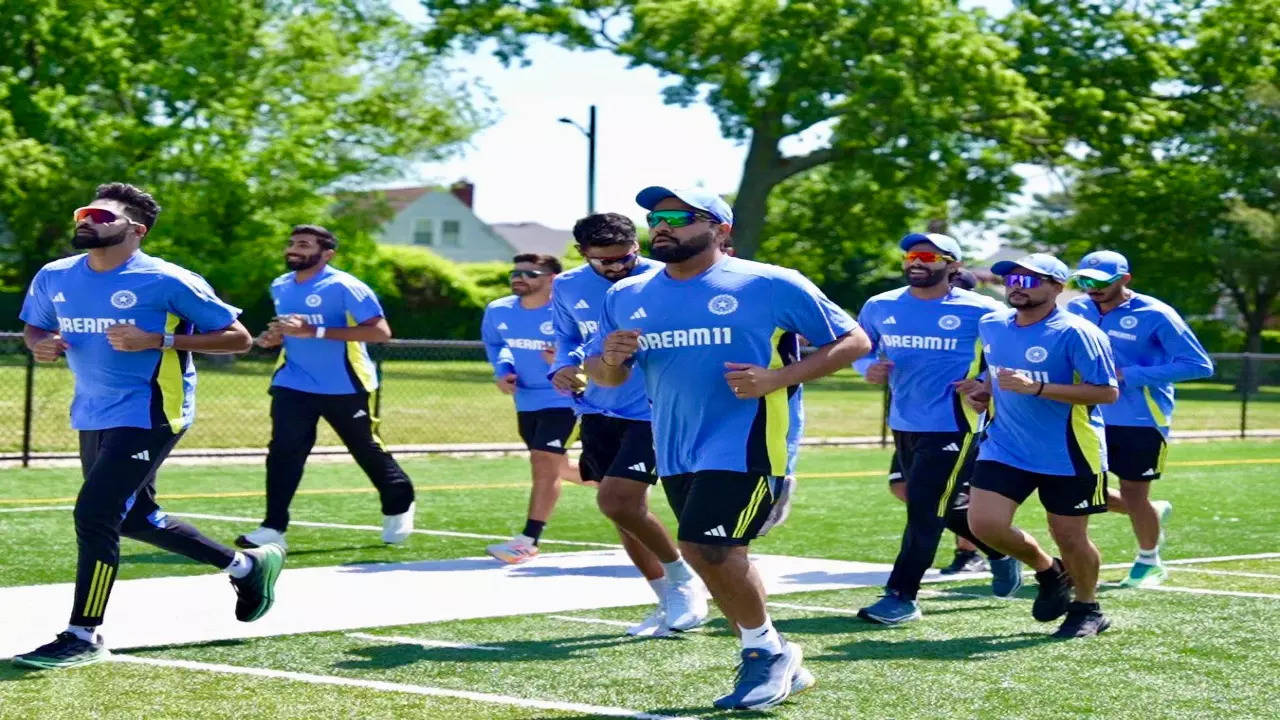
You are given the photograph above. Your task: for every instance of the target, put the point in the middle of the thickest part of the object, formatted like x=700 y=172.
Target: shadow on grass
x=383 y=656
x=959 y=648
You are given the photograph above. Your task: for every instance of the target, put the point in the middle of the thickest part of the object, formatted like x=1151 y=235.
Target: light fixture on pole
x=590 y=132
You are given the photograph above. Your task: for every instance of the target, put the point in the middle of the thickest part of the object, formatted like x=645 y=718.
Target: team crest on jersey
x=723 y=304
x=1128 y=322
x=949 y=322
x=123 y=299
x=1037 y=354
x=314 y=300
x=546 y=328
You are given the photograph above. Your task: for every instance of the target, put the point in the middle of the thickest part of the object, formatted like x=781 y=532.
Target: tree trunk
x=760 y=173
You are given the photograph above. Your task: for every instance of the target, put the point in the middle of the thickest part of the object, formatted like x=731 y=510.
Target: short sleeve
x=37 y=308
x=1091 y=357
x=595 y=346
x=191 y=298
x=799 y=306
x=360 y=301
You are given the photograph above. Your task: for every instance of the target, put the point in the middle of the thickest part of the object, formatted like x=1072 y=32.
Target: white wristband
x=319 y=332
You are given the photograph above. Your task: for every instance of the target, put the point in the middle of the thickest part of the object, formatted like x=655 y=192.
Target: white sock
x=659 y=588
x=240 y=566
x=1149 y=557
x=678 y=571
x=762 y=638
x=84 y=632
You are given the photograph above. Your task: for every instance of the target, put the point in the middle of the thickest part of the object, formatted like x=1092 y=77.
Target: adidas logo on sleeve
x=581 y=305
x=638 y=314
x=891 y=320
x=502 y=326
x=59 y=297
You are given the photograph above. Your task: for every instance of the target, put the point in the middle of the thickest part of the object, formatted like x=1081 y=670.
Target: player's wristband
x=319 y=332
x=167 y=342
x=1039 y=389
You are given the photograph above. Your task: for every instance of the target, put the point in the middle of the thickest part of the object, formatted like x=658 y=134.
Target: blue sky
x=529 y=167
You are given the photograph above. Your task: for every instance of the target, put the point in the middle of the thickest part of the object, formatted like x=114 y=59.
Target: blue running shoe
x=891 y=609
x=1006 y=576
x=763 y=680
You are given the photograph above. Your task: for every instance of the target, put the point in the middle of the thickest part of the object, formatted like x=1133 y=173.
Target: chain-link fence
x=439 y=396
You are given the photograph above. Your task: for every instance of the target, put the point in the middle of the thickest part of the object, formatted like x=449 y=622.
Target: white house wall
x=476 y=241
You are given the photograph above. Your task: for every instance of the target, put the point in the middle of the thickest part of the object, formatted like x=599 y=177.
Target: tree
x=1195 y=201
x=242 y=118
x=917 y=84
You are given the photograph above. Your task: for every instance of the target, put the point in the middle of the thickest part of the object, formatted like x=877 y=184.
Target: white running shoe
x=781 y=507
x=1164 y=511
x=517 y=550
x=397 y=528
x=686 y=606
x=653 y=626
x=261 y=536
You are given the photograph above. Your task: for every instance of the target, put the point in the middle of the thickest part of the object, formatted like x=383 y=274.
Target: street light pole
x=590 y=132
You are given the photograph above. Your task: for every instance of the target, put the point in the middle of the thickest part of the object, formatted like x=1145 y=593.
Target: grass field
x=1178 y=653
x=456 y=401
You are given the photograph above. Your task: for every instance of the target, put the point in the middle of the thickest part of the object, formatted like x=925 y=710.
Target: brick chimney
x=464 y=191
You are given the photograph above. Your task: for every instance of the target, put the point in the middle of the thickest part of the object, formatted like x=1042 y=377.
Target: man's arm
x=45 y=345
x=1072 y=394
x=230 y=340
x=611 y=368
x=1188 y=359
x=373 y=330
x=751 y=381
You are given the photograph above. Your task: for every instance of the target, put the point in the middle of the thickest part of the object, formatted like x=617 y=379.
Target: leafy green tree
x=242 y=118
x=915 y=86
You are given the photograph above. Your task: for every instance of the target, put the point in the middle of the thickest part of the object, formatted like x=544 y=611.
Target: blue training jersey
x=932 y=344
x=1036 y=433
x=1154 y=348
x=144 y=389
x=576 y=298
x=736 y=311
x=332 y=298
x=514 y=340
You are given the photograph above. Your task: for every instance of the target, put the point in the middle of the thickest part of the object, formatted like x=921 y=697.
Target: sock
x=84 y=632
x=678 y=571
x=533 y=528
x=762 y=638
x=240 y=566
x=1149 y=557
x=659 y=588
x=1050 y=573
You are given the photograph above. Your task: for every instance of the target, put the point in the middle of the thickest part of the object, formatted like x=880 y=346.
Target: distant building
x=443 y=221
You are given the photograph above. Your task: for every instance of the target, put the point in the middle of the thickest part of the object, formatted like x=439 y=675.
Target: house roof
x=532 y=237
x=401 y=198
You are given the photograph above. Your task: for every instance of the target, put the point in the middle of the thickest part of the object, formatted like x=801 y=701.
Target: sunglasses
x=620 y=260
x=676 y=218
x=514 y=274
x=1088 y=283
x=1026 y=282
x=98 y=216
x=927 y=257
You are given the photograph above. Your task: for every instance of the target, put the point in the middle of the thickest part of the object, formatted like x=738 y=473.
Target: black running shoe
x=965 y=561
x=256 y=592
x=1083 y=620
x=67 y=650
x=1054 y=594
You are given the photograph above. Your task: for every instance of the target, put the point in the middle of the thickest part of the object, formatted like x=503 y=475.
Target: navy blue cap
x=945 y=243
x=1042 y=263
x=1102 y=265
x=703 y=200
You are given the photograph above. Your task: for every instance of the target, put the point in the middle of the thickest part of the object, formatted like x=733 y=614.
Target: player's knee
x=617 y=506
x=707 y=556
x=987 y=527
x=1134 y=491
x=90 y=517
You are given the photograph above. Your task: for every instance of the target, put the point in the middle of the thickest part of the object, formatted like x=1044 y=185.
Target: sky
x=527 y=166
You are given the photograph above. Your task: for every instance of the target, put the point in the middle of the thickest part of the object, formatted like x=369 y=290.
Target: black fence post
x=28 y=409
x=884 y=416
x=1246 y=381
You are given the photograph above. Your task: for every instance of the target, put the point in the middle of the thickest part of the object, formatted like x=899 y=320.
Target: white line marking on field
x=40 y=508
x=383 y=686
x=1205 y=591
x=1223 y=558
x=418 y=531
x=402 y=640
x=813 y=608
x=1232 y=573
x=592 y=621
